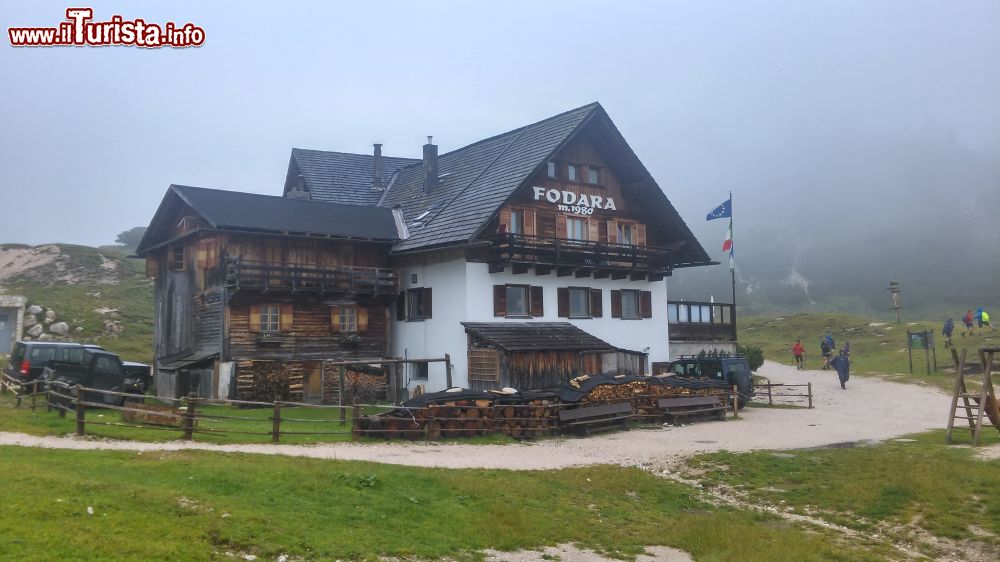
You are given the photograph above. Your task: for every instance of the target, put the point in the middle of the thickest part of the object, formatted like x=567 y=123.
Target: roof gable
x=341 y=177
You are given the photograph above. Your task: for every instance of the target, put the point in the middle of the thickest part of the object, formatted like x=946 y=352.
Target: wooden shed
x=539 y=355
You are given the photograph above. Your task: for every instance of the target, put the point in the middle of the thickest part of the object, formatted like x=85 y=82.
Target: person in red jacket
x=798 y=351
x=967 y=323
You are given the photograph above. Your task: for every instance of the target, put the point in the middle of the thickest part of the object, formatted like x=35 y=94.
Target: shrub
x=754 y=355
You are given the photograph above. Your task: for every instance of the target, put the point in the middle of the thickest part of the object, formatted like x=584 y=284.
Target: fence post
x=48 y=398
x=340 y=402
x=276 y=423
x=189 y=417
x=62 y=405
x=736 y=403
x=80 y=411
x=34 y=392
x=810 y=395
x=447 y=369
x=770 y=400
x=355 y=416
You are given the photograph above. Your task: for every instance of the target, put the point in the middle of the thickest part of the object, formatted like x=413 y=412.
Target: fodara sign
x=570 y=201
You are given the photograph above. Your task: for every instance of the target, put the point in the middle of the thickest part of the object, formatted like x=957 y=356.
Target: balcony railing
x=266 y=277
x=559 y=252
x=701 y=321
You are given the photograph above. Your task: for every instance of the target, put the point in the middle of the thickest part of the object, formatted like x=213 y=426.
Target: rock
x=30 y=320
x=45 y=337
x=60 y=328
x=34 y=309
x=79 y=328
x=35 y=330
x=50 y=316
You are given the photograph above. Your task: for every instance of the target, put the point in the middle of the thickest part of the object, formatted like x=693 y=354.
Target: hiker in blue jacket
x=949 y=327
x=842 y=364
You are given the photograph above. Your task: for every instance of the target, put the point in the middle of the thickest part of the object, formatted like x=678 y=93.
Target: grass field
x=917 y=481
x=197 y=506
x=876 y=348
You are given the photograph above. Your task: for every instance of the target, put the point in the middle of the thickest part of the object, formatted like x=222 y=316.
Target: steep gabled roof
x=341 y=177
x=536 y=336
x=251 y=212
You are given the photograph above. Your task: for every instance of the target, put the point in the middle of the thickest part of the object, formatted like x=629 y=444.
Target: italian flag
x=727 y=245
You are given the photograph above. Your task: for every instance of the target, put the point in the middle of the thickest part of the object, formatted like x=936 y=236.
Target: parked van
x=28 y=358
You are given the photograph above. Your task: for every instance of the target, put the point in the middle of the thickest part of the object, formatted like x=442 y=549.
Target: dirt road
x=870 y=409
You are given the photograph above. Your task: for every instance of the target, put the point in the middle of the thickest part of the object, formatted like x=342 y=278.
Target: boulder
x=35 y=330
x=50 y=316
x=45 y=337
x=30 y=320
x=59 y=328
x=34 y=309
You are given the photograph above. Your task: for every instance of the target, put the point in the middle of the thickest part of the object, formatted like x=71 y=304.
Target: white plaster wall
x=440 y=334
x=648 y=335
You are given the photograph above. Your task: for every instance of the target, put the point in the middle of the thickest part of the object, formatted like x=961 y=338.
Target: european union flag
x=723 y=211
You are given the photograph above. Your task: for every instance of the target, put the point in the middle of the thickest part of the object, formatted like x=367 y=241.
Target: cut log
x=433 y=430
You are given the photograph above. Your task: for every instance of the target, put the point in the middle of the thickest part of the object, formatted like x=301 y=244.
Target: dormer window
x=551 y=170
x=571 y=172
x=593 y=175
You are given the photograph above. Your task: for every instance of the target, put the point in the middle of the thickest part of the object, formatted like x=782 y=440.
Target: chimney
x=430 y=164
x=377 y=173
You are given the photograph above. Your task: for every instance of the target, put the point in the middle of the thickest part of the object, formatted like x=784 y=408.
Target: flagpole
x=732 y=268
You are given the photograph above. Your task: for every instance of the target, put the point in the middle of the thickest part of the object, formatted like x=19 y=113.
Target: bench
x=587 y=419
x=674 y=408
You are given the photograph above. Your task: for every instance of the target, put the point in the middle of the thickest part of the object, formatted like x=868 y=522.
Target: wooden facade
x=273 y=305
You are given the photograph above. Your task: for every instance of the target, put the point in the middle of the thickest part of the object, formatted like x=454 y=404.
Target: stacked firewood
x=537 y=417
x=460 y=418
x=642 y=395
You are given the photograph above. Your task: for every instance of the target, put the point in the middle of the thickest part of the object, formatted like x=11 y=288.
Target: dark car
x=731 y=370
x=100 y=370
x=28 y=358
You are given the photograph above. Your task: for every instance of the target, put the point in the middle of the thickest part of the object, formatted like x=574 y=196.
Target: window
x=420 y=371
x=177 y=257
x=517 y=300
x=571 y=172
x=516 y=222
x=579 y=302
x=348 y=319
x=576 y=229
x=632 y=304
x=414 y=304
x=551 y=170
x=270 y=318
x=625 y=233
x=593 y=175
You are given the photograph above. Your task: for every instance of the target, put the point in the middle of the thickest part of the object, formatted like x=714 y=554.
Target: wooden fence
x=780 y=392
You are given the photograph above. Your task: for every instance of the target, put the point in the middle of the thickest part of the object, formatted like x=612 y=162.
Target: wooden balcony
x=701 y=321
x=580 y=258
x=266 y=277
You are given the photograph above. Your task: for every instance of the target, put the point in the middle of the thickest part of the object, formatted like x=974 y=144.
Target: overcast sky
x=803 y=109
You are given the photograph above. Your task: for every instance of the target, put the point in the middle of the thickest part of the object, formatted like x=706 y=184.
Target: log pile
x=536 y=417
x=643 y=395
x=447 y=418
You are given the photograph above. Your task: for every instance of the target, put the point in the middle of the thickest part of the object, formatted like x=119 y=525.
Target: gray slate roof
x=235 y=210
x=341 y=177
x=536 y=336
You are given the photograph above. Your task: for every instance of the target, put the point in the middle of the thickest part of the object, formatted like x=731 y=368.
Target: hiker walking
x=967 y=323
x=798 y=351
x=985 y=319
x=826 y=347
x=946 y=330
x=842 y=364
x=979 y=318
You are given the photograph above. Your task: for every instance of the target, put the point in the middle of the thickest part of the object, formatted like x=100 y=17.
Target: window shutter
x=596 y=304
x=427 y=302
x=646 y=304
x=612 y=232
x=202 y=254
x=499 y=300
x=616 y=304
x=640 y=235
x=505 y=220
x=334 y=318
x=537 y=306
x=561 y=226
x=593 y=234
x=362 y=319
x=401 y=306
x=562 y=294
x=254 y=317
x=285 y=324
x=529 y=223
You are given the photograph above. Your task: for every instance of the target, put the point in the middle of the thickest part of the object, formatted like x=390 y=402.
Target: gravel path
x=870 y=409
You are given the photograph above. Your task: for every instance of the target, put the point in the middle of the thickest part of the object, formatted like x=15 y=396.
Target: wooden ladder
x=974 y=405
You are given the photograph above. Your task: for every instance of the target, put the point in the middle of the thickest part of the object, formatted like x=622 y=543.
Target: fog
x=860 y=140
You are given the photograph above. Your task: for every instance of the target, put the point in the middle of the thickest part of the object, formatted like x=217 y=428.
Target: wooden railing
x=701 y=321
x=341 y=279
x=519 y=248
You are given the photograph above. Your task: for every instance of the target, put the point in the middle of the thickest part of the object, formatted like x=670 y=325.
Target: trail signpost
x=921 y=340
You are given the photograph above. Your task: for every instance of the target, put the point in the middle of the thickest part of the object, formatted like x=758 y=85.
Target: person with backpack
x=842 y=364
x=798 y=351
x=985 y=319
x=949 y=326
x=967 y=322
x=979 y=318
x=826 y=350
